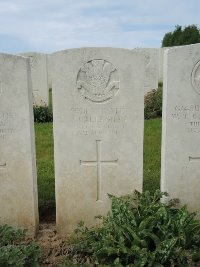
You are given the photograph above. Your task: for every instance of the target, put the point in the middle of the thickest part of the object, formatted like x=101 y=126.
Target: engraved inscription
x=187 y=115
x=98 y=162
x=95 y=121
x=6 y=125
x=98 y=81
x=195 y=78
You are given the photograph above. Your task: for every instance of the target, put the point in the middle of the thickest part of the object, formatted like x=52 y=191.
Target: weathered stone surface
x=152 y=67
x=39 y=77
x=98 y=130
x=161 y=62
x=181 y=125
x=49 y=70
x=18 y=184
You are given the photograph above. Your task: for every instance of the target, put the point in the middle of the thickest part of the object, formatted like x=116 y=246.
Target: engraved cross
x=194 y=159
x=2 y=165
x=98 y=162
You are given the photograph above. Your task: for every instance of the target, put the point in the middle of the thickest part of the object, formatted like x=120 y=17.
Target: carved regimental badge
x=98 y=80
x=195 y=78
x=147 y=59
x=33 y=61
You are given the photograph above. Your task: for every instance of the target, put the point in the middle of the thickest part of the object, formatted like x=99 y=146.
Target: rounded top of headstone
x=98 y=80
x=195 y=77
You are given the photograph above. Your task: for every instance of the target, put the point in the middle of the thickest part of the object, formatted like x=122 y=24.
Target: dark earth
x=53 y=248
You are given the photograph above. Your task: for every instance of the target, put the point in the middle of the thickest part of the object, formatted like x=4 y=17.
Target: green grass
x=50 y=99
x=152 y=154
x=45 y=166
x=45 y=161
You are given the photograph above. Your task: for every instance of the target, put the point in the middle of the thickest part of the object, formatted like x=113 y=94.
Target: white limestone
x=49 y=70
x=161 y=62
x=39 y=77
x=152 y=67
x=98 y=130
x=181 y=125
x=18 y=184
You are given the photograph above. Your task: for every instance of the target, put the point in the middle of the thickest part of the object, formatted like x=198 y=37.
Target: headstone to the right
x=181 y=125
x=151 y=67
x=18 y=182
x=39 y=75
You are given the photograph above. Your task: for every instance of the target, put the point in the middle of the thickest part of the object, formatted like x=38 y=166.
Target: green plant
x=182 y=36
x=139 y=231
x=16 y=250
x=153 y=104
x=42 y=114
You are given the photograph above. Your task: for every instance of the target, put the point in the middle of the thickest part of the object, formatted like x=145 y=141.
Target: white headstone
x=49 y=70
x=152 y=67
x=39 y=77
x=161 y=62
x=18 y=184
x=181 y=125
x=98 y=130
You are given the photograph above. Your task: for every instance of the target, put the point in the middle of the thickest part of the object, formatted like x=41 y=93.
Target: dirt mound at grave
x=53 y=247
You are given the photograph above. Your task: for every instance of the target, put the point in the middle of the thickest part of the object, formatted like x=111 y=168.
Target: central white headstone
x=98 y=130
x=18 y=182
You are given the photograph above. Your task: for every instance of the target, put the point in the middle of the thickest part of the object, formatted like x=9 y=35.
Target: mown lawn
x=45 y=166
x=152 y=154
x=45 y=161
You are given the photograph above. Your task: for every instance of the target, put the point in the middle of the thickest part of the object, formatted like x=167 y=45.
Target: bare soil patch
x=53 y=247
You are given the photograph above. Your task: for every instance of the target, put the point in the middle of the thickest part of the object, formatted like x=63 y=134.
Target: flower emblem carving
x=98 y=80
x=195 y=78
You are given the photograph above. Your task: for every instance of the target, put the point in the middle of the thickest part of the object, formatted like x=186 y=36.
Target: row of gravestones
x=98 y=132
x=42 y=68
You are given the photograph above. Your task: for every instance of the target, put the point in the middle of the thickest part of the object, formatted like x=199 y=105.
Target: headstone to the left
x=18 y=184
